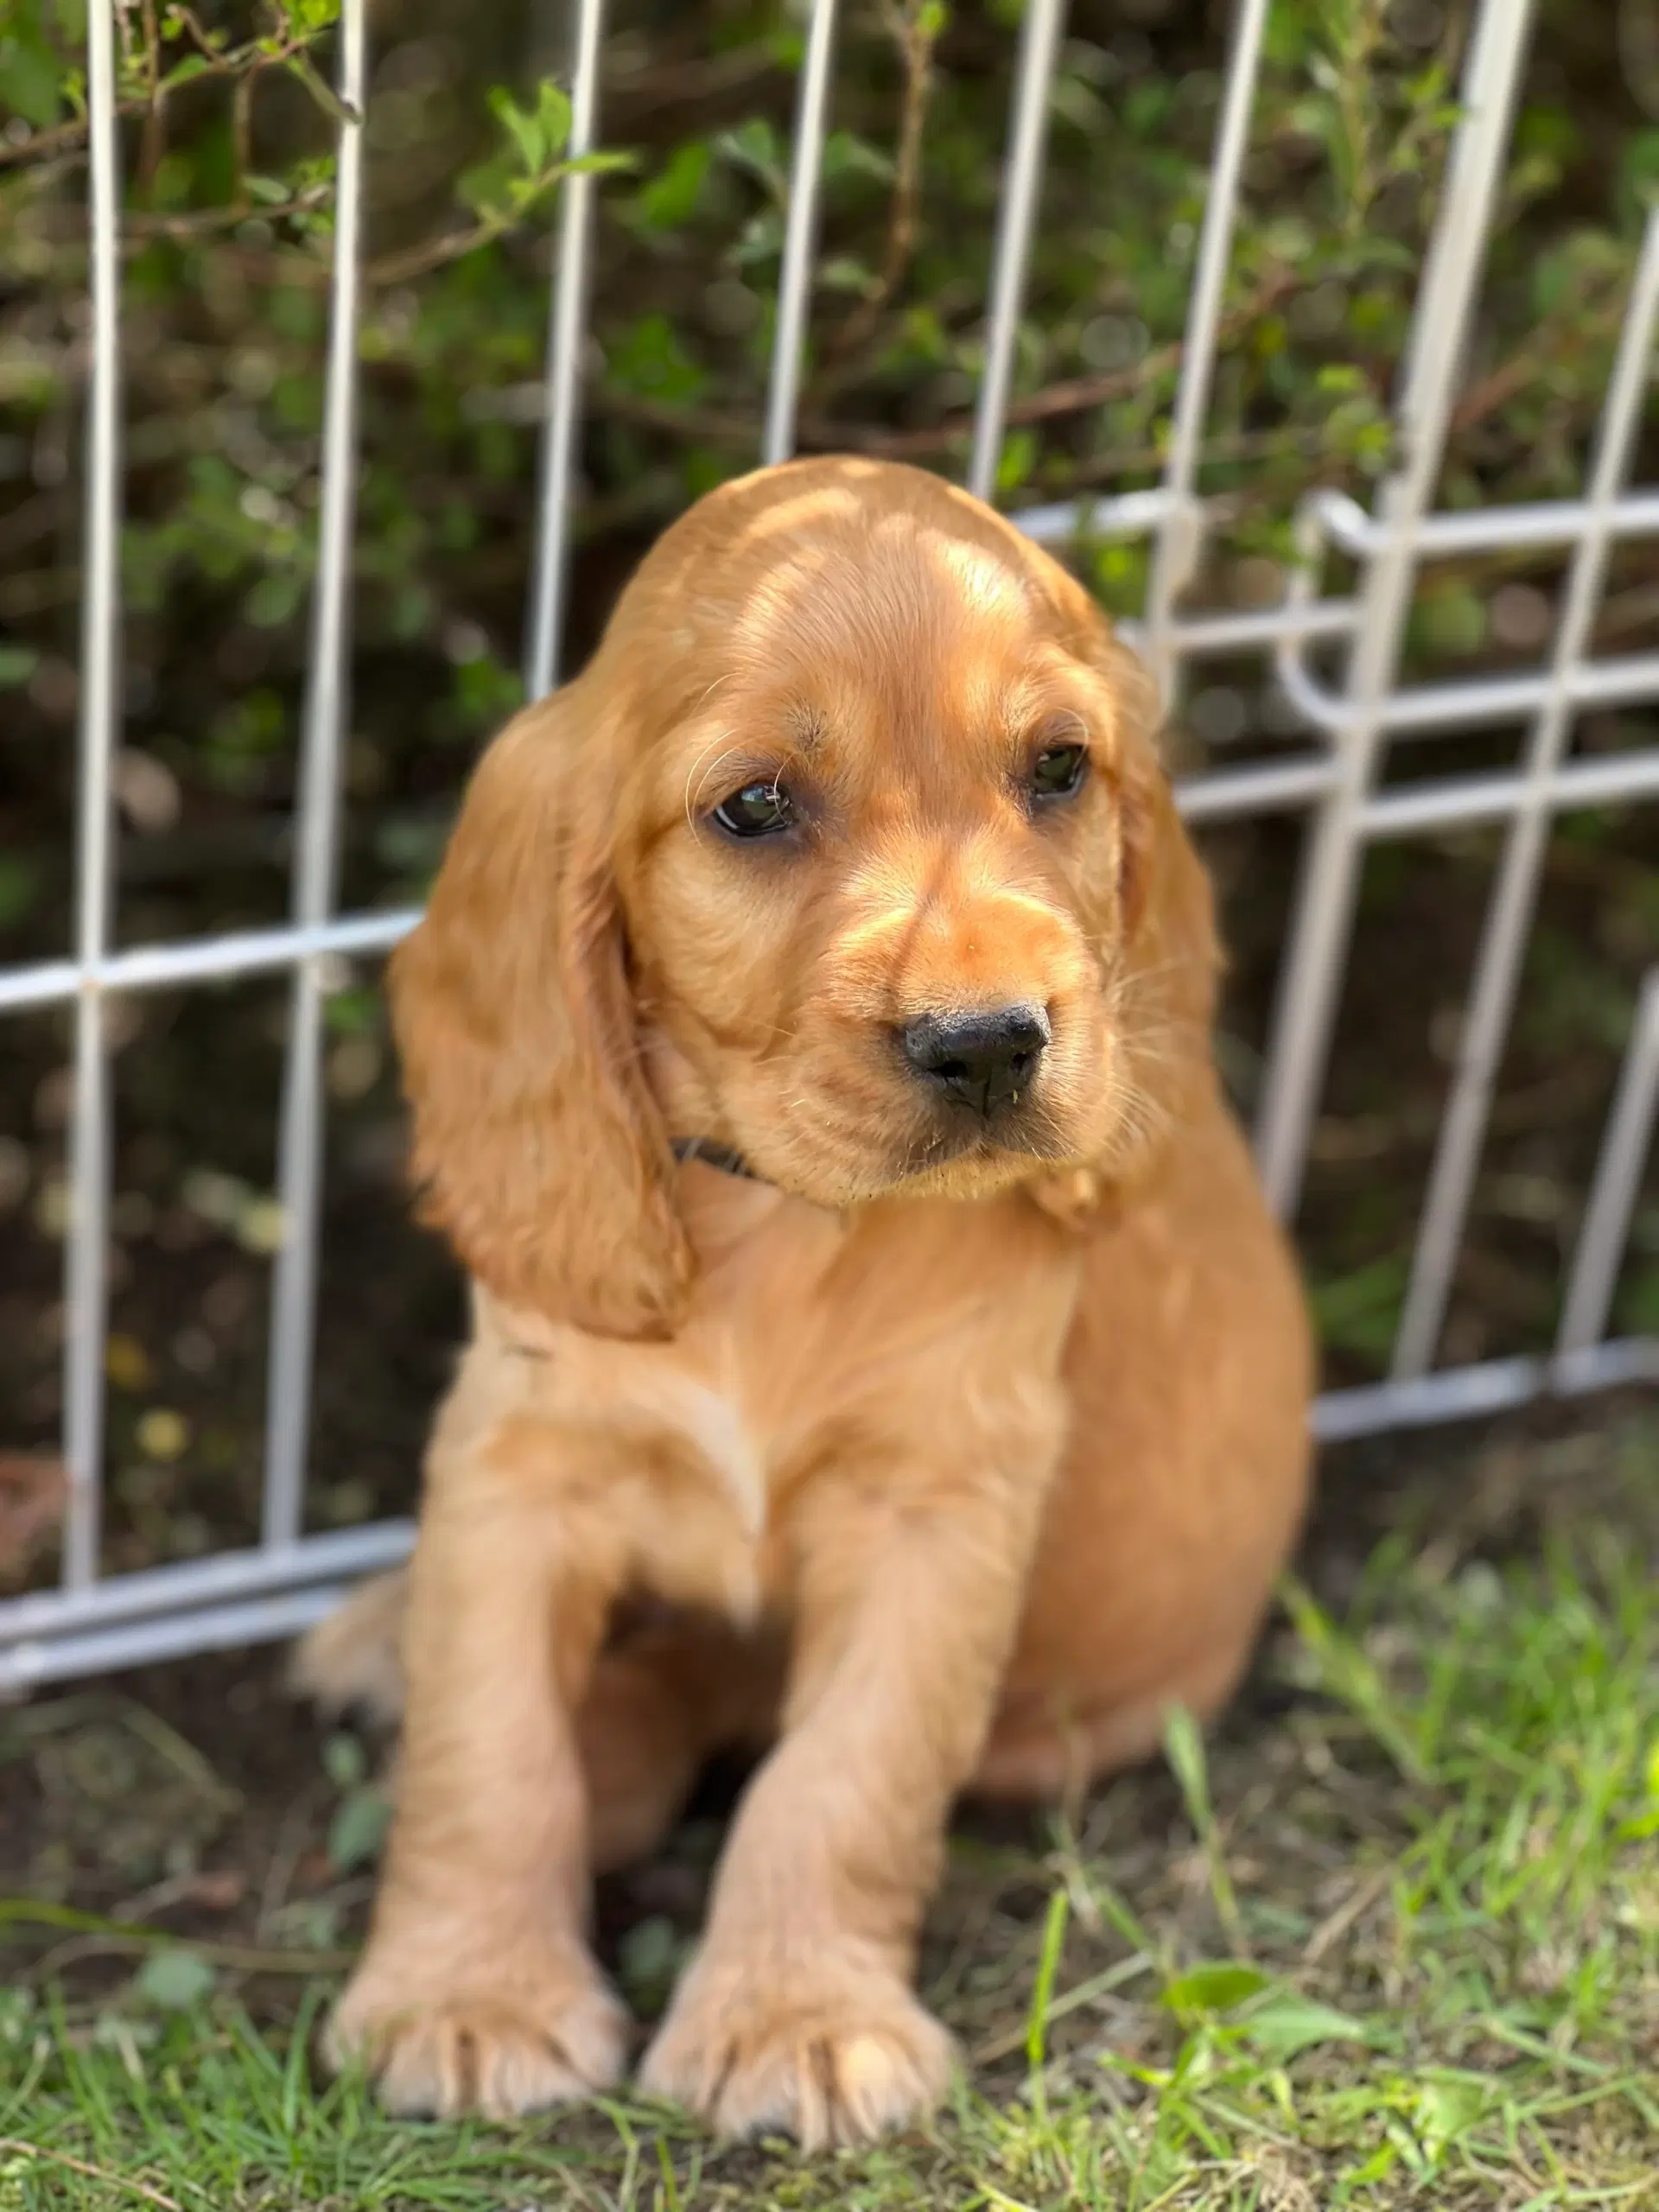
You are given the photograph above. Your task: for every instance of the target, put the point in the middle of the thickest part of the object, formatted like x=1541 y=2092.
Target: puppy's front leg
x=797 y=2012
x=476 y=1990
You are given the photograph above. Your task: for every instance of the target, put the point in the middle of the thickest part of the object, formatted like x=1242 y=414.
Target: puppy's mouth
x=1017 y=1139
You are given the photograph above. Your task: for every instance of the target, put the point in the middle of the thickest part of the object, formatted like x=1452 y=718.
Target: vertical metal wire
x=1308 y=986
x=566 y=331
x=1039 y=39
x=1508 y=916
x=1176 y=547
x=317 y=829
x=800 y=235
x=1617 y=1180
x=87 y=1260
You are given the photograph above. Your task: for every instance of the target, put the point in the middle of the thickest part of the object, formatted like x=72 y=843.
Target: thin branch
x=292 y=54
x=19 y=2148
x=151 y=147
x=915 y=31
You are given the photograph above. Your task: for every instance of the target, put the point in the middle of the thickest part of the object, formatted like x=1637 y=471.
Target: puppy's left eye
x=759 y=810
x=1058 y=771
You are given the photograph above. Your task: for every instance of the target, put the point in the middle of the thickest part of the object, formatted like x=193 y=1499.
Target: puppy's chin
x=961 y=1164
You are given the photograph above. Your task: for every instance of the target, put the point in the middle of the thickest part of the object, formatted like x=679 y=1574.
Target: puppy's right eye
x=758 y=811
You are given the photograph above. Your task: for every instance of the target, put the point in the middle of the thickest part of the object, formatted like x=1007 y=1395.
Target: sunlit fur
x=942 y=1454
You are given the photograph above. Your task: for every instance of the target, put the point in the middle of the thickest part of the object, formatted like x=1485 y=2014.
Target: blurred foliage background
x=228 y=127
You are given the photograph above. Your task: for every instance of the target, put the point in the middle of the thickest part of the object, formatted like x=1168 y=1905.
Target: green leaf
x=175 y=1979
x=1048 y=1965
x=648 y=1959
x=1218 y=1986
x=1452 y=621
x=524 y=129
x=30 y=81
x=1358 y=1311
x=845 y=154
x=671 y=197
x=553 y=116
x=20 y=887
x=755 y=146
x=342 y=1755
x=1285 y=2023
x=1017 y=460
x=357 y=1830
x=18 y=664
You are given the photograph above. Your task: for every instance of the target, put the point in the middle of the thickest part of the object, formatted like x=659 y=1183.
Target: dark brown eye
x=758 y=811
x=1058 y=771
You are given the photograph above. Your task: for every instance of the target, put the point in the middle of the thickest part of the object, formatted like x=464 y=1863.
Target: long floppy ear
x=537 y=1148
x=1169 y=958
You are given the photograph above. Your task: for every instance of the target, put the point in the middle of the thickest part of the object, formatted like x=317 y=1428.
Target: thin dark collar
x=719 y=1156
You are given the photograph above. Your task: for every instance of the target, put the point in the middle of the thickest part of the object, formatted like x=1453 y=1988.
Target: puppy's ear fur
x=537 y=1148
x=1164 y=996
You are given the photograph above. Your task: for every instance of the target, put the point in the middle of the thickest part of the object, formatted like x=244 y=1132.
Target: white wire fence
x=1336 y=781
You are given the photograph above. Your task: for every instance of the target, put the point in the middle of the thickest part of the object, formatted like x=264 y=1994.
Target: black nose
x=980 y=1060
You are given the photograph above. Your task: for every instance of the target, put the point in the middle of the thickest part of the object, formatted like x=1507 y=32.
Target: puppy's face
x=850 y=850
x=883 y=866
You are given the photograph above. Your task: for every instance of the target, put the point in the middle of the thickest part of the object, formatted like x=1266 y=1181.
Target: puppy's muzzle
x=981 y=1063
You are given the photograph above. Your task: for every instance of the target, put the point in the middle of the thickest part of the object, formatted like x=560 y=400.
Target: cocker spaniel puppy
x=883 y=1354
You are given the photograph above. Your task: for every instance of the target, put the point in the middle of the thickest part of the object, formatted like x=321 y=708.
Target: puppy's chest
x=743 y=1430
x=817 y=1368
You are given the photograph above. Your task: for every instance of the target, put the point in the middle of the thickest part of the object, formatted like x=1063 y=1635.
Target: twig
x=915 y=31
x=149 y=151
x=242 y=127
x=127 y=1935
x=1073 y=397
x=181 y=229
x=16 y=2144
x=1336 y=1924
x=419 y=260
x=1510 y=377
x=238 y=63
x=1072 y=2000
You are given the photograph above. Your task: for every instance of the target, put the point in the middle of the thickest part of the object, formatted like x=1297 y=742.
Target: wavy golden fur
x=944 y=1451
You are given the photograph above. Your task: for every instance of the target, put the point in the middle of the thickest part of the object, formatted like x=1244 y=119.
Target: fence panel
x=290 y=1579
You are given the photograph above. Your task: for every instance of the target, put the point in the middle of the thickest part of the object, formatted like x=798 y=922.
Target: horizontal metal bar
x=204 y=960
x=1452 y=802
x=1491 y=1387
x=1438 y=803
x=28 y=1666
x=1430 y=709
x=1527 y=527
x=170 y=1612
x=335 y=1557
x=1537 y=526
x=1128 y=515
x=1260 y=626
x=1269 y=790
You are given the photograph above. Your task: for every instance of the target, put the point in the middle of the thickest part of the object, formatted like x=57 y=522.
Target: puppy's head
x=850 y=850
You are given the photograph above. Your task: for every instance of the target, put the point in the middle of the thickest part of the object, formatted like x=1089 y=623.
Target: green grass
x=1397 y=1945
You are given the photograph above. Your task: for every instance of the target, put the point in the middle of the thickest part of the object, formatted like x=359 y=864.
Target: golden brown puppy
x=948 y=1445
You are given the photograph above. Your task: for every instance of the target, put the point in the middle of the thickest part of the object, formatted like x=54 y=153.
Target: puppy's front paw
x=514 y=2039
x=832 y=2053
